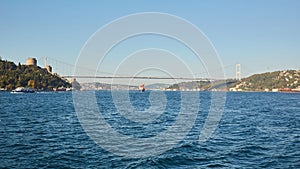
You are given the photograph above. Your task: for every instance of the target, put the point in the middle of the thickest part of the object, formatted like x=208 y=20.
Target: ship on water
x=23 y=90
x=142 y=88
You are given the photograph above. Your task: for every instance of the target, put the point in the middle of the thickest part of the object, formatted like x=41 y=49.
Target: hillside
x=13 y=76
x=219 y=85
x=271 y=81
x=105 y=86
x=156 y=86
x=288 y=80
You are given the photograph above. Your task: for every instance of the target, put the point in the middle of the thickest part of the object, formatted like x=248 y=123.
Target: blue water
x=257 y=130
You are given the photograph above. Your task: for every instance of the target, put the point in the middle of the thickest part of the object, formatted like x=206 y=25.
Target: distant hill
x=13 y=76
x=157 y=86
x=202 y=85
x=278 y=80
x=105 y=86
x=287 y=80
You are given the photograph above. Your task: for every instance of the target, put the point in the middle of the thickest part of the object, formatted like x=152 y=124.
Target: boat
x=142 y=88
x=59 y=89
x=62 y=89
x=23 y=90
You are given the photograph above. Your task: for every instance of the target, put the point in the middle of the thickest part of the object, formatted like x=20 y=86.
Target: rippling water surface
x=257 y=130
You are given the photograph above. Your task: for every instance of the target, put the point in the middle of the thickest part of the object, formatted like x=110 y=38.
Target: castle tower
x=31 y=62
x=49 y=68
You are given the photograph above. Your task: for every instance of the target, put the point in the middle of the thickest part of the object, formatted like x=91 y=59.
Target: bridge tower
x=238 y=71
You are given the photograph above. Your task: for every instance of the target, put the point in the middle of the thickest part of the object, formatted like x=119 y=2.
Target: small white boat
x=23 y=90
x=62 y=89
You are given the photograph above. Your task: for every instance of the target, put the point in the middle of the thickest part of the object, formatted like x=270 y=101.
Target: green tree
x=19 y=66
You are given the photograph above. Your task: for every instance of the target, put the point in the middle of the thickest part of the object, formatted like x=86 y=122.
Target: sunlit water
x=257 y=130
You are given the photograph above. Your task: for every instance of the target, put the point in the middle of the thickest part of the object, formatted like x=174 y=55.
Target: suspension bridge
x=66 y=70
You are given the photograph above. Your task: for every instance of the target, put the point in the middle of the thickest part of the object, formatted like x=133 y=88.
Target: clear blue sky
x=260 y=35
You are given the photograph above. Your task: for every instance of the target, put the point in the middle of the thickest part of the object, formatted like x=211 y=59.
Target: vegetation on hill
x=190 y=85
x=13 y=76
x=269 y=81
